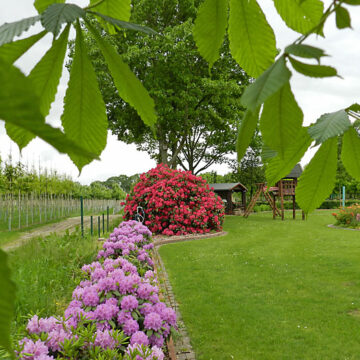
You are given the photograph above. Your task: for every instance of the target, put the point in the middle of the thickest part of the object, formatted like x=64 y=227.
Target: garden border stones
x=341 y=227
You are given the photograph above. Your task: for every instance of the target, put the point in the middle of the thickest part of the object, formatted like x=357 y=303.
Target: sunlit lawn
x=270 y=289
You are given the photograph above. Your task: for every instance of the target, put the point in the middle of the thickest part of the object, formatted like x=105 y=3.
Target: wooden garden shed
x=226 y=190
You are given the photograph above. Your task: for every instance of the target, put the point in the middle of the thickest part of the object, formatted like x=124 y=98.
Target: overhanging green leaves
x=305 y=51
x=350 y=153
x=319 y=71
x=84 y=118
x=41 y=5
x=252 y=40
x=246 y=132
x=343 y=19
x=318 y=179
x=278 y=167
x=7 y=301
x=329 y=125
x=281 y=120
x=9 y=30
x=45 y=76
x=127 y=84
x=124 y=24
x=118 y=9
x=57 y=14
x=209 y=29
x=12 y=51
x=19 y=105
x=266 y=85
x=300 y=15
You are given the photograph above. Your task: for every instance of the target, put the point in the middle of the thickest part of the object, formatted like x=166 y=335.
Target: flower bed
x=348 y=217
x=115 y=310
x=175 y=202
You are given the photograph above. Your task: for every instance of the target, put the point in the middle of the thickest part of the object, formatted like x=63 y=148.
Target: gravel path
x=59 y=228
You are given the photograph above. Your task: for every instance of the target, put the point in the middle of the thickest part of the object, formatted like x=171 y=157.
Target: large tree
x=198 y=110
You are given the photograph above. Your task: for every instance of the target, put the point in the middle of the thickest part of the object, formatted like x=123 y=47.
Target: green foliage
x=6 y=301
x=9 y=30
x=318 y=71
x=117 y=9
x=12 y=51
x=119 y=24
x=246 y=132
x=305 y=51
x=20 y=106
x=300 y=15
x=350 y=154
x=329 y=125
x=272 y=80
x=84 y=114
x=46 y=74
x=128 y=86
x=281 y=120
x=277 y=167
x=41 y=5
x=210 y=28
x=57 y=14
x=318 y=179
x=252 y=40
x=343 y=19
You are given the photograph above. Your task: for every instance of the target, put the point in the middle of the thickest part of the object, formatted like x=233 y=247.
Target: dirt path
x=59 y=228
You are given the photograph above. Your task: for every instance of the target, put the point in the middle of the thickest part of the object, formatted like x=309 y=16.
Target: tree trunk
x=163 y=154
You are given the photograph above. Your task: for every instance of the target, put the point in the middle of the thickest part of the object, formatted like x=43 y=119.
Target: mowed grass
x=270 y=289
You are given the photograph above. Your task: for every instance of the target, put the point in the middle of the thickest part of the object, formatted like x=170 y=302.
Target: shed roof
x=228 y=187
x=295 y=172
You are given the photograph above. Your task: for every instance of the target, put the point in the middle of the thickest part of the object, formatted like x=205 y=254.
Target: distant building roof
x=295 y=172
x=228 y=187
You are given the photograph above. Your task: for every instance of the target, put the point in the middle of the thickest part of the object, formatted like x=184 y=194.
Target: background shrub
x=176 y=202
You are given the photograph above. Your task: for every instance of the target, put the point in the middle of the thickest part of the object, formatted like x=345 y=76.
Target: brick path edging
x=162 y=240
x=341 y=227
x=182 y=345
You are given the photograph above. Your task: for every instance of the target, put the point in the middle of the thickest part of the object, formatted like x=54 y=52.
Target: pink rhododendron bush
x=175 y=202
x=115 y=312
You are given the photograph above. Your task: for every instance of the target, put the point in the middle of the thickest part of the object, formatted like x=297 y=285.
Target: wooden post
x=244 y=200
x=273 y=209
x=303 y=215
x=294 y=210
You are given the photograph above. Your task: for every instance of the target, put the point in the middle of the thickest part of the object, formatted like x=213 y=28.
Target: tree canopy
x=198 y=110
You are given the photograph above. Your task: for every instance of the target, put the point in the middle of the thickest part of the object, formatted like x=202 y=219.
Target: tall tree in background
x=198 y=111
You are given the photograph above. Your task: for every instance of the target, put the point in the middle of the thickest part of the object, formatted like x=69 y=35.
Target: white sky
x=315 y=96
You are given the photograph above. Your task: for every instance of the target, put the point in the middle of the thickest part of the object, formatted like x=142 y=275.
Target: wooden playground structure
x=284 y=188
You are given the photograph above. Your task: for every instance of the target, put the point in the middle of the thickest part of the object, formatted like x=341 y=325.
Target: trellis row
x=18 y=211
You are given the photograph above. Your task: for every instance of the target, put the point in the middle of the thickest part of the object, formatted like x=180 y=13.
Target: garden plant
x=175 y=202
x=348 y=216
x=115 y=309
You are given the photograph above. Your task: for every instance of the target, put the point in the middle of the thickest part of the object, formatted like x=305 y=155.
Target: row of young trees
x=19 y=178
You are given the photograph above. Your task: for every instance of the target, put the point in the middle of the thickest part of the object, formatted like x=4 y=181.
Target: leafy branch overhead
x=84 y=120
x=252 y=44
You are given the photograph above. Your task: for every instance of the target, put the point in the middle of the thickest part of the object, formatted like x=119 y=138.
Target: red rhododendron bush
x=175 y=202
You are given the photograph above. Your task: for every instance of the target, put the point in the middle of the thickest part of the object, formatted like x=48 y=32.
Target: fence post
x=107 y=219
x=82 y=215
x=91 y=225
x=99 y=225
x=103 y=223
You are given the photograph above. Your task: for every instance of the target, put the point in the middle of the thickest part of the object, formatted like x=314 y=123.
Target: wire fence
x=19 y=211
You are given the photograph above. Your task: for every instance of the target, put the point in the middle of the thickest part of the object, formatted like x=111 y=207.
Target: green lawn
x=270 y=289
